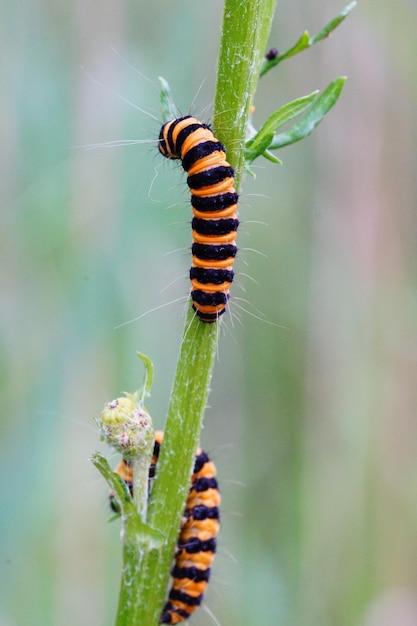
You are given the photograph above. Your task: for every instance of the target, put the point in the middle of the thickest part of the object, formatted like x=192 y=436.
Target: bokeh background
x=312 y=417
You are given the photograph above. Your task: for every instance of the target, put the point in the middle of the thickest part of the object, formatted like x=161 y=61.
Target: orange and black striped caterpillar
x=214 y=202
x=196 y=544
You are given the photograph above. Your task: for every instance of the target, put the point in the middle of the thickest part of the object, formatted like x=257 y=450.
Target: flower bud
x=126 y=426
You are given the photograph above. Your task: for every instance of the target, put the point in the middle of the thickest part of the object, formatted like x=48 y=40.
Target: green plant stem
x=140 y=468
x=246 y=25
x=176 y=460
x=134 y=551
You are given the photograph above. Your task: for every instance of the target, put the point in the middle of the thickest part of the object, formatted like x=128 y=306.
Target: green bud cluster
x=126 y=425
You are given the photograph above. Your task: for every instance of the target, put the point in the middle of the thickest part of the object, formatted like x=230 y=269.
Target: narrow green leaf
x=287 y=112
x=308 y=123
x=148 y=377
x=128 y=511
x=116 y=484
x=271 y=157
x=267 y=155
x=305 y=41
x=168 y=108
x=300 y=45
x=259 y=143
x=325 y=32
x=257 y=146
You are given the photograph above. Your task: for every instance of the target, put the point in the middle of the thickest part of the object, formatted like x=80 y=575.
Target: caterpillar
x=214 y=203
x=197 y=541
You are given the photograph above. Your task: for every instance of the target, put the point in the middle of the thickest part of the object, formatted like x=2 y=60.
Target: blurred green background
x=312 y=423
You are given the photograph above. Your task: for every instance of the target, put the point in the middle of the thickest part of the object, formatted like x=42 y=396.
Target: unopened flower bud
x=126 y=426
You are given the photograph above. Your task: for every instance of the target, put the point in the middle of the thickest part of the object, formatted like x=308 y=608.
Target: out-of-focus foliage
x=311 y=422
